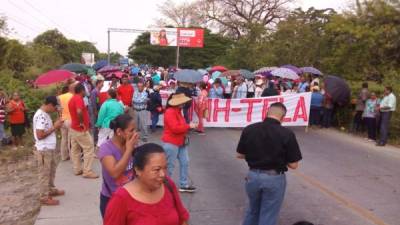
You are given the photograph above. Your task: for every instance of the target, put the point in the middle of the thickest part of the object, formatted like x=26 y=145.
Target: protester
x=172 y=86
x=360 y=106
x=114 y=82
x=216 y=91
x=175 y=139
x=270 y=91
x=251 y=88
x=154 y=105
x=317 y=100
x=148 y=86
x=16 y=117
x=387 y=106
x=186 y=89
x=303 y=85
x=240 y=90
x=228 y=90
x=94 y=104
x=108 y=112
x=44 y=133
x=3 y=104
x=327 y=111
x=81 y=140
x=125 y=94
x=140 y=99
x=64 y=99
x=115 y=156
x=151 y=198
x=370 y=114
x=259 y=90
x=202 y=107
x=269 y=150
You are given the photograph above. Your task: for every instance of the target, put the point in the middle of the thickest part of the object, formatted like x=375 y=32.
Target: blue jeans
x=2 y=133
x=265 y=193
x=154 y=120
x=178 y=152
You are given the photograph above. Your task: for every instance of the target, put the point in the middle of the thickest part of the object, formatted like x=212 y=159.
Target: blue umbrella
x=311 y=70
x=202 y=71
x=100 y=64
x=246 y=74
x=285 y=73
x=135 y=70
x=188 y=76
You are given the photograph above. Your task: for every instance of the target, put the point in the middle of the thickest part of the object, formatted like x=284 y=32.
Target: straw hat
x=178 y=99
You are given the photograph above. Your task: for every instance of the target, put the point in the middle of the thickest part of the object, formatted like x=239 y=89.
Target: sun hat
x=178 y=99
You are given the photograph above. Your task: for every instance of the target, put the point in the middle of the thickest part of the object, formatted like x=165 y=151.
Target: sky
x=89 y=19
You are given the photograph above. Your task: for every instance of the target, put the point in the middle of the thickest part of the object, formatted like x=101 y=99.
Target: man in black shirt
x=269 y=150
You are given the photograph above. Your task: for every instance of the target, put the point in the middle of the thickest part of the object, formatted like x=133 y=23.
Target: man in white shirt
x=45 y=144
x=387 y=106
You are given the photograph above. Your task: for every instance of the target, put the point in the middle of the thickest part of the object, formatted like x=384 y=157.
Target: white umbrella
x=285 y=73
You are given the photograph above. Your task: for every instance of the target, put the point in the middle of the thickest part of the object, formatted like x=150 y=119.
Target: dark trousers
x=250 y=94
x=371 y=127
x=358 y=122
x=327 y=118
x=384 y=127
x=186 y=115
x=315 y=115
x=227 y=96
x=154 y=120
x=103 y=204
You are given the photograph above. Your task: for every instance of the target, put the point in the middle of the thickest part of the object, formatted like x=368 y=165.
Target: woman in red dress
x=202 y=107
x=151 y=198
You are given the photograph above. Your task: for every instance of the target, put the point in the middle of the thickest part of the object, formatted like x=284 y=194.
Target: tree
x=185 y=14
x=114 y=57
x=57 y=41
x=17 y=57
x=237 y=18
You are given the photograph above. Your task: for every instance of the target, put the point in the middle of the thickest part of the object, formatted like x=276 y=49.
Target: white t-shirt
x=42 y=121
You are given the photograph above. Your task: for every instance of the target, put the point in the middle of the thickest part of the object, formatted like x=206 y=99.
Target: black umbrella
x=338 y=89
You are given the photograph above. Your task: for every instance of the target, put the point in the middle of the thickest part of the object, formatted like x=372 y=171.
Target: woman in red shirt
x=16 y=117
x=201 y=107
x=174 y=137
x=151 y=198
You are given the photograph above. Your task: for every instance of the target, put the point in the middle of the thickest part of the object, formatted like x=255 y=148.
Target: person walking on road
x=175 y=138
x=108 y=112
x=387 y=106
x=44 y=133
x=116 y=159
x=125 y=94
x=95 y=105
x=155 y=107
x=140 y=99
x=202 y=107
x=80 y=137
x=151 y=198
x=269 y=150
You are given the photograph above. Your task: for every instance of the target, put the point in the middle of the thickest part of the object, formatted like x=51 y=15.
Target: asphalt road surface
x=342 y=180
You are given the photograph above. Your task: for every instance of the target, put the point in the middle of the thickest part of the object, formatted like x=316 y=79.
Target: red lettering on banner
x=209 y=103
x=286 y=119
x=218 y=109
x=301 y=106
x=250 y=102
x=267 y=102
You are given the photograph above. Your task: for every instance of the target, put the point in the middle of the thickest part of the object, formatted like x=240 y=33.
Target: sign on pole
x=182 y=37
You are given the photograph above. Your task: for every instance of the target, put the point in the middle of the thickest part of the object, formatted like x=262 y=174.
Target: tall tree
x=185 y=14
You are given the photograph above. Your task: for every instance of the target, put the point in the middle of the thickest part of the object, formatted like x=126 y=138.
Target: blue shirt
x=216 y=92
x=303 y=87
x=316 y=99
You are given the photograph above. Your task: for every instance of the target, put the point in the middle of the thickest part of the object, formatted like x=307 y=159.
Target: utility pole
x=177 y=56
x=108 y=49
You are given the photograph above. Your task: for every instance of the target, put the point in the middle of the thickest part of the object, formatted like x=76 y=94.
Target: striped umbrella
x=294 y=68
x=265 y=70
x=311 y=70
x=285 y=73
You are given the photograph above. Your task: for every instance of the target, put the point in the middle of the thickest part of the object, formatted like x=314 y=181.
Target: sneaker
x=189 y=189
x=49 y=201
x=90 y=175
x=56 y=192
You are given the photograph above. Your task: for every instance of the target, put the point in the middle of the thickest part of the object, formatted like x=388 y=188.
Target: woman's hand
x=131 y=143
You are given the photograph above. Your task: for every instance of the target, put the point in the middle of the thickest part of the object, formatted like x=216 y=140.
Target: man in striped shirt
x=3 y=102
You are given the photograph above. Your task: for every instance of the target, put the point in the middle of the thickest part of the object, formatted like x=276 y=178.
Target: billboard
x=182 y=37
x=164 y=36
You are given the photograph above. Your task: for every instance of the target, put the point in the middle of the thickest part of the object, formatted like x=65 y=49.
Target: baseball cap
x=52 y=100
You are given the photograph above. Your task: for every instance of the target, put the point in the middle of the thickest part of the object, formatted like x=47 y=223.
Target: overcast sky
x=89 y=19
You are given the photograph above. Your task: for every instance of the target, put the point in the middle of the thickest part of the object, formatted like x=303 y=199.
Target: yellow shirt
x=64 y=100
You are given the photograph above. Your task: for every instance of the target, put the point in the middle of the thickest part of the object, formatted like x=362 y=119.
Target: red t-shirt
x=125 y=210
x=74 y=104
x=125 y=94
x=17 y=116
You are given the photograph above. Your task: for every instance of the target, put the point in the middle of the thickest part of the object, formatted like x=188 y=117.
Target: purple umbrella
x=311 y=70
x=265 y=70
x=285 y=73
x=109 y=69
x=294 y=68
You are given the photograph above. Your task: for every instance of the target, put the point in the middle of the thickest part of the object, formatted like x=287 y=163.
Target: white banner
x=164 y=36
x=243 y=112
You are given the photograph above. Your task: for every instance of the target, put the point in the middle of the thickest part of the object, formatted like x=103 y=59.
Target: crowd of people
x=114 y=127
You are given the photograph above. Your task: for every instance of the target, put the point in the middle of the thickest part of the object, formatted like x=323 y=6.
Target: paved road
x=343 y=180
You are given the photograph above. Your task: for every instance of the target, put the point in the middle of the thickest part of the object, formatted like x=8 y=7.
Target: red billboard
x=190 y=38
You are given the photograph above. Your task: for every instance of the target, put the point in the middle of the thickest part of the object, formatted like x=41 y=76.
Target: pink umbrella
x=218 y=68
x=118 y=74
x=53 y=77
x=109 y=69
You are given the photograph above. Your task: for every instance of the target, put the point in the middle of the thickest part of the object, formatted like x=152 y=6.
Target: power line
x=25 y=11
x=23 y=24
x=48 y=18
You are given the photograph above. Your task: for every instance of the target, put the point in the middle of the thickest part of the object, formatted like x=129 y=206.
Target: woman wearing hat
x=174 y=137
